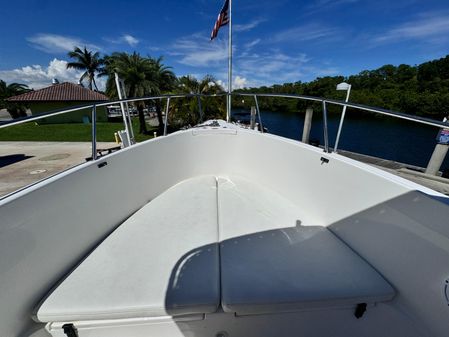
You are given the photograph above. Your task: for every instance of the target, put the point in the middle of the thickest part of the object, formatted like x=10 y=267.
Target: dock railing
x=169 y=98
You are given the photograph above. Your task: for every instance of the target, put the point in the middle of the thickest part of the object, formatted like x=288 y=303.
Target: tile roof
x=60 y=92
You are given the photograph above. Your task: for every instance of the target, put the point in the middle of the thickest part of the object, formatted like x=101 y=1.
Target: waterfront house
x=61 y=96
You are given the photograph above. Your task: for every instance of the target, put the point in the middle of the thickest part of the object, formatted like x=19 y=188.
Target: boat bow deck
x=230 y=243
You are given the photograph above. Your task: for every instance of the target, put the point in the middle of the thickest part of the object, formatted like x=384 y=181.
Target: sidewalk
x=23 y=163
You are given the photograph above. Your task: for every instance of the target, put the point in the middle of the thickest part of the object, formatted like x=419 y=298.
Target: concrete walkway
x=23 y=163
x=410 y=172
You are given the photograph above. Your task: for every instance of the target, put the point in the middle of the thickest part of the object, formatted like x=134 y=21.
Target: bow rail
x=324 y=103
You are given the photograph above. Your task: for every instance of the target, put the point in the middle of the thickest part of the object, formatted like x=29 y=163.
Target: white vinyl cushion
x=246 y=207
x=270 y=262
x=209 y=241
x=162 y=261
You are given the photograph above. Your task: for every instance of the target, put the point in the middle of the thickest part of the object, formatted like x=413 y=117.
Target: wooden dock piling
x=307 y=125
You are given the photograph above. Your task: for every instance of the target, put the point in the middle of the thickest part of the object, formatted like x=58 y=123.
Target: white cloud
x=248 y=26
x=154 y=48
x=308 y=32
x=37 y=76
x=131 y=40
x=252 y=44
x=250 y=69
x=428 y=26
x=240 y=82
x=124 y=39
x=330 y=3
x=326 y=5
x=52 y=43
x=277 y=67
x=270 y=65
x=197 y=51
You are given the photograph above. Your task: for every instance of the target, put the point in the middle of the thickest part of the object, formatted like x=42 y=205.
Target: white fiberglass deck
x=212 y=242
x=219 y=229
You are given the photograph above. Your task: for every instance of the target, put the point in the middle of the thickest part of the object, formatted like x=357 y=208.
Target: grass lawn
x=68 y=132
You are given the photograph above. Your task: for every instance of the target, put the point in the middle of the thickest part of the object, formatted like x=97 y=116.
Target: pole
x=122 y=107
x=438 y=156
x=228 y=105
x=166 y=116
x=258 y=113
x=325 y=132
x=200 y=109
x=94 y=132
x=252 y=123
x=307 y=125
x=340 y=126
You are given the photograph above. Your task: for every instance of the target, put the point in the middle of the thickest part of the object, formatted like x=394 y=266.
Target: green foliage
x=88 y=61
x=133 y=69
x=9 y=90
x=186 y=110
x=418 y=90
x=143 y=76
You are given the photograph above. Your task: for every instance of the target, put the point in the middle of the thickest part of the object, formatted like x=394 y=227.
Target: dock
x=406 y=171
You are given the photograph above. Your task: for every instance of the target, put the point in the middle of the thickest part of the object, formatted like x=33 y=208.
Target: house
x=62 y=96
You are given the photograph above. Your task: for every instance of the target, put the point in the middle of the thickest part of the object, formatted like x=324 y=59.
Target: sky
x=274 y=41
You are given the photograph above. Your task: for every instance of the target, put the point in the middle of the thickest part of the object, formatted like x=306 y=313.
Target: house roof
x=60 y=92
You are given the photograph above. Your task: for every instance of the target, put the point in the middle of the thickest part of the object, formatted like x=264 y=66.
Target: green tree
x=89 y=62
x=164 y=79
x=420 y=90
x=187 y=110
x=133 y=69
x=9 y=90
x=143 y=76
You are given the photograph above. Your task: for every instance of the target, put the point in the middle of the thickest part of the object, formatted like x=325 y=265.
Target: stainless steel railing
x=94 y=107
x=324 y=102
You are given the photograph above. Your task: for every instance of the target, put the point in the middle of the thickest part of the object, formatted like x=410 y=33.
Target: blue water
x=388 y=138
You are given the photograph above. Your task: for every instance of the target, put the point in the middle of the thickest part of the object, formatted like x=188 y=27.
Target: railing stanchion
x=325 y=131
x=200 y=108
x=166 y=116
x=94 y=132
x=340 y=126
x=258 y=113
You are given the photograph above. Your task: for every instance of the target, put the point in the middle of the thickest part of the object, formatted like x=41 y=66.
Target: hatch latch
x=70 y=330
x=324 y=160
x=360 y=310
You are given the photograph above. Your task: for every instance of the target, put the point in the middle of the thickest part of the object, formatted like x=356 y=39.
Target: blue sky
x=274 y=41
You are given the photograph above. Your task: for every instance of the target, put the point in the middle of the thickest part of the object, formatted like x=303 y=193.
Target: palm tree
x=86 y=61
x=211 y=107
x=135 y=71
x=143 y=76
x=165 y=80
x=13 y=89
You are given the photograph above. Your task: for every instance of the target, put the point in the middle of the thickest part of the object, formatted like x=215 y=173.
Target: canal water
x=384 y=137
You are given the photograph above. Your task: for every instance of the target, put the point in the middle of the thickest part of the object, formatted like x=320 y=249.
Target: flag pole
x=228 y=105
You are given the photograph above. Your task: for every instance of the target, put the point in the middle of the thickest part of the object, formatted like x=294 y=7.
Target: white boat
x=224 y=231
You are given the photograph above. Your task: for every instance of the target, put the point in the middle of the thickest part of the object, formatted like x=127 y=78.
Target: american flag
x=222 y=20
